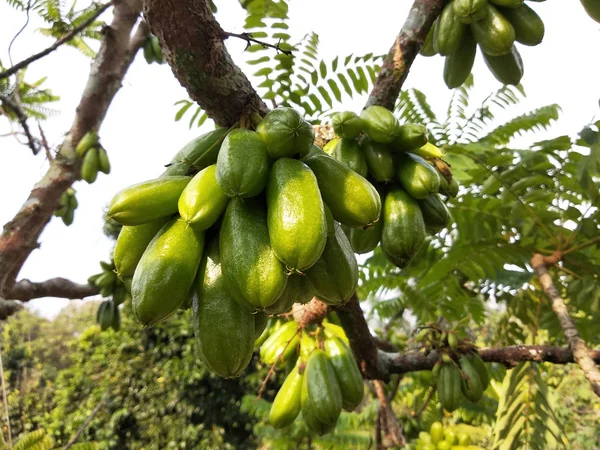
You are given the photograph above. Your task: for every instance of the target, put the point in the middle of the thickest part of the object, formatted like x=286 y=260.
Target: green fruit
x=403 y=230
x=285 y=133
x=224 y=330
x=286 y=406
x=308 y=344
x=242 y=165
x=365 y=241
x=116 y=322
x=106 y=314
x=148 y=51
x=329 y=220
x=471 y=383
x=347 y=125
x=449 y=436
x=428 y=49
x=334 y=277
x=469 y=11
x=147 y=201
x=198 y=154
x=435 y=213
x=165 y=274
x=428 y=151
x=449 y=31
x=346 y=371
x=592 y=8
x=260 y=324
x=379 y=160
x=452 y=341
x=457 y=67
x=202 y=201
x=437 y=432
x=409 y=136
x=417 y=176
x=480 y=368
x=347 y=151
x=507 y=3
x=68 y=216
x=297 y=290
x=352 y=199
x=444 y=445
x=321 y=398
x=453 y=188
x=449 y=387
x=281 y=344
x=380 y=124
x=507 y=69
x=333 y=330
x=158 y=53
x=90 y=165
x=103 y=162
x=249 y=262
x=89 y=140
x=131 y=244
x=295 y=214
x=463 y=438
x=529 y=27
x=494 y=34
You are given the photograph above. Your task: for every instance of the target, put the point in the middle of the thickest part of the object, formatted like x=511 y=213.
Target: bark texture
x=26 y=290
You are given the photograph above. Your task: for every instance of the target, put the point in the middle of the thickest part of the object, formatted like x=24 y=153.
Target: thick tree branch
x=26 y=290
x=405 y=49
x=66 y=38
x=581 y=352
x=116 y=53
x=192 y=42
x=22 y=118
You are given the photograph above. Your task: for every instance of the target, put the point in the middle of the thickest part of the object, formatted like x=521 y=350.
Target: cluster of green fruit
x=95 y=158
x=109 y=285
x=444 y=438
x=152 y=51
x=68 y=205
x=323 y=375
x=494 y=25
x=395 y=159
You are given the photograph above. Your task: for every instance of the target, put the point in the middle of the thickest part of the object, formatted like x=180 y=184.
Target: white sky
x=141 y=135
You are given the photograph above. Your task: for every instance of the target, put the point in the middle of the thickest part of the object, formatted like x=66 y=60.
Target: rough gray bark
x=26 y=290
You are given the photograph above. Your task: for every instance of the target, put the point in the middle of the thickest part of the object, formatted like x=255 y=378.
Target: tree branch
x=394 y=430
x=66 y=38
x=22 y=118
x=581 y=352
x=192 y=42
x=116 y=53
x=249 y=39
x=26 y=290
x=405 y=49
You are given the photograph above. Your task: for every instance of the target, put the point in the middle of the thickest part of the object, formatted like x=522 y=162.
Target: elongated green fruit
x=507 y=69
x=379 y=160
x=286 y=406
x=529 y=27
x=449 y=387
x=197 y=154
x=507 y=3
x=242 y=166
x=347 y=125
x=280 y=344
x=471 y=383
x=90 y=165
x=333 y=330
x=298 y=289
x=148 y=51
x=334 y=277
x=448 y=32
x=428 y=48
x=285 y=133
x=158 y=53
x=365 y=241
x=295 y=214
x=480 y=368
x=403 y=231
x=307 y=345
x=458 y=65
x=352 y=199
x=380 y=124
x=202 y=201
x=165 y=274
x=408 y=137
x=224 y=330
x=103 y=162
x=494 y=34
x=260 y=324
x=147 y=201
x=346 y=371
x=131 y=244
x=428 y=151
x=89 y=140
x=347 y=151
x=417 y=176
x=435 y=213
x=321 y=399
x=249 y=262
x=469 y=11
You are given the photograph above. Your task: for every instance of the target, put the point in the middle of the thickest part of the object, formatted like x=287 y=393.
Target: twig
x=87 y=421
x=44 y=142
x=274 y=366
x=249 y=39
x=581 y=353
x=426 y=401
x=581 y=246
x=393 y=427
x=22 y=118
x=568 y=271
x=4 y=398
x=66 y=38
